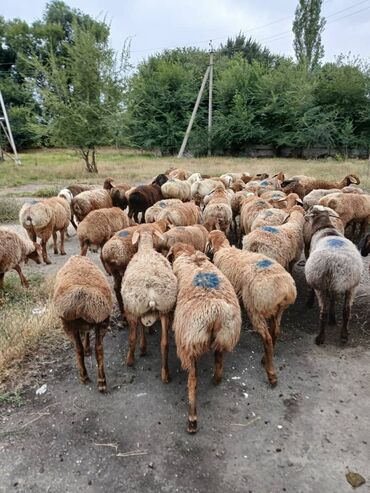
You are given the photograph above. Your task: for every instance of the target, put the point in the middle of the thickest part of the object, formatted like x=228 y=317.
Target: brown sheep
x=90 y=200
x=303 y=185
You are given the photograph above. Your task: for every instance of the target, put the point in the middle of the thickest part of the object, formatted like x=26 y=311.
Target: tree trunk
x=90 y=165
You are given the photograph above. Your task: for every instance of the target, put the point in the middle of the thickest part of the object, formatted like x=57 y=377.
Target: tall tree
x=250 y=49
x=308 y=26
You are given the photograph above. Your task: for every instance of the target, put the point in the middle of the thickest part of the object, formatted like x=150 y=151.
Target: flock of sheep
x=171 y=259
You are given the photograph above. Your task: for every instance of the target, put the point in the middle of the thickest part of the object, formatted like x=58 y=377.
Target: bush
x=9 y=210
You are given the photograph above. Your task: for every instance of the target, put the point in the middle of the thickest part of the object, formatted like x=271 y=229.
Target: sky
x=153 y=25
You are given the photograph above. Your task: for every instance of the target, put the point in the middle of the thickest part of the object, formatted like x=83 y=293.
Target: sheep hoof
x=87 y=352
x=63 y=253
x=48 y=262
x=56 y=252
x=319 y=340
x=84 y=380
x=102 y=387
x=192 y=426
x=273 y=380
x=217 y=379
x=143 y=352
x=130 y=361
x=165 y=376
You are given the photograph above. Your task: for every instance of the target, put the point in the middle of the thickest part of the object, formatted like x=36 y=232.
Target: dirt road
x=298 y=437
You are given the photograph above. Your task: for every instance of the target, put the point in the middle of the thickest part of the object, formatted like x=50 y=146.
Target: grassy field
x=61 y=167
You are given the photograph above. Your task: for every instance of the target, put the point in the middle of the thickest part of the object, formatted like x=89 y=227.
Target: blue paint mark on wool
x=123 y=234
x=162 y=204
x=268 y=213
x=270 y=229
x=33 y=202
x=336 y=243
x=264 y=264
x=206 y=280
x=264 y=183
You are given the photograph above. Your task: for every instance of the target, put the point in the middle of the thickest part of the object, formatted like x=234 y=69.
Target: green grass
x=60 y=167
x=9 y=210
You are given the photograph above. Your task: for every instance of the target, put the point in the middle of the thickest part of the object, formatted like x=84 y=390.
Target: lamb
x=263 y=285
x=153 y=212
x=176 y=189
x=83 y=300
x=282 y=243
x=334 y=267
x=144 y=196
x=218 y=208
x=119 y=250
x=88 y=201
x=149 y=291
x=100 y=225
x=202 y=188
x=13 y=251
x=183 y=214
x=117 y=193
x=303 y=185
x=350 y=207
x=207 y=316
x=44 y=218
x=196 y=235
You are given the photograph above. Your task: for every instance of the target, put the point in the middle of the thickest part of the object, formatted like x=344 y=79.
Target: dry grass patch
x=9 y=210
x=26 y=317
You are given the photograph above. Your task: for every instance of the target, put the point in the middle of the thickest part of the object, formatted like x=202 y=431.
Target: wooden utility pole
x=208 y=74
x=210 y=90
x=7 y=130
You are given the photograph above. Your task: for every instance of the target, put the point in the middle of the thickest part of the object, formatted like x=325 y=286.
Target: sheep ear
x=170 y=255
x=283 y=199
x=299 y=202
x=135 y=237
x=352 y=179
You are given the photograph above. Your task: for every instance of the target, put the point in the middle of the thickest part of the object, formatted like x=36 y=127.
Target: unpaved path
x=298 y=437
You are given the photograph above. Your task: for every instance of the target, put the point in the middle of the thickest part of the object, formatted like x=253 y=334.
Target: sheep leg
x=348 y=300
x=86 y=344
x=311 y=299
x=332 y=318
x=74 y=334
x=219 y=365
x=55 y=243
x=45 y=252
x=132 y=322
x=106 y=268
x=164 y=349
x=117 y=289
x=142 y=340
x=2 y=274
x=321 y=297
x=83 y=247
x=192 y=389
x=24 y=281
x=261 y=327
x=73 y=223
x=62 y=251
x=99 y=354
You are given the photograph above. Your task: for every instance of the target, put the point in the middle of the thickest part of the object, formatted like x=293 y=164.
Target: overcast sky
x=157 y=24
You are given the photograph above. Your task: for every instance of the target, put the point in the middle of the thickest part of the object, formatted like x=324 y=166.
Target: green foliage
x=308 y=26
x=249 y=49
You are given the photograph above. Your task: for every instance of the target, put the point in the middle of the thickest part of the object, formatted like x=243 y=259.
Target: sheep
x=275 y=217
x=117 y=193
x=149 y=291
x=202 y=188
x=100 y=225
x=314 y=196
x=229 y=194
x=235 y=176
x=194 y=177
x=307 y=233
x=83 y=300
x=237 y=186
x=66 y=194
x=235 y=203
x=119 y=250
x=153 y=212
x=273 y=196
x=303 y=185
x=88 y=201
x=350 y=207
x=144 y=196
x=263 y=285
x=334 y=267
x=250 y=208
x=44 y=218
x=178 y=173
x=218 y=208
x=183 y=214
x=207 y=316
x=75 y=188
x=282 y=243
x=176 y=189
x=109 y=186
x=196 y=235
x=13 y=251
x=260 y=176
